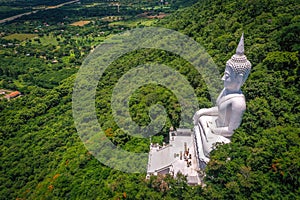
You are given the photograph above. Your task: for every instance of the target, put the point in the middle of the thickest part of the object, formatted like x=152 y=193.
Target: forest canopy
x=42 y=156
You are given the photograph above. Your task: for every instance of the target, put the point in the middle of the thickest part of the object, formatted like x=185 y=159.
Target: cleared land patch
x=80 y=23
x=47 y=40
x=134 y=22
x=20 y=36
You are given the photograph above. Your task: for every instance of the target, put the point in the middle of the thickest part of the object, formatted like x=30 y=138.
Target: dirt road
x=32 y=12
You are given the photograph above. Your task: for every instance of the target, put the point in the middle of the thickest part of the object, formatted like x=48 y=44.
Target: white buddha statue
x=217 y=124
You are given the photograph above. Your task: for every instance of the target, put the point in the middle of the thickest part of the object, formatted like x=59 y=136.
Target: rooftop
x=13 y=94
x=178 y=156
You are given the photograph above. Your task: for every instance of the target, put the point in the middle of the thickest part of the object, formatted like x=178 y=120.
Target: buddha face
x=232 y=81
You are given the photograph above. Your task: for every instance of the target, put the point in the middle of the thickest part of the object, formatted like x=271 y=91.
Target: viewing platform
x=179 y=156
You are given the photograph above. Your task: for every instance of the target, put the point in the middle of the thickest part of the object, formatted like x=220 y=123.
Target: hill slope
x=42 y=156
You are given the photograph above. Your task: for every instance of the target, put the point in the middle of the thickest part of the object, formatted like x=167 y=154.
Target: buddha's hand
x=212 y=128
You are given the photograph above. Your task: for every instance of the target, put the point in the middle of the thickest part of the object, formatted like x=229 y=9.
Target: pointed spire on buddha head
x=238 y=62
x=240 y=49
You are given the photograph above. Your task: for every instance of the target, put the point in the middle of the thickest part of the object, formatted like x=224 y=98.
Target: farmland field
x=133 y=23
x=47 y=40
x=80 y=23
x=20 y=36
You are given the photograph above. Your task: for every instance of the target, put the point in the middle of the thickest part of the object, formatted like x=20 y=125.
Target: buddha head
x=237 y=69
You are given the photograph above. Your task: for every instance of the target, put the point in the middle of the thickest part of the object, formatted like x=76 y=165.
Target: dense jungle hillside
x=42 y=156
